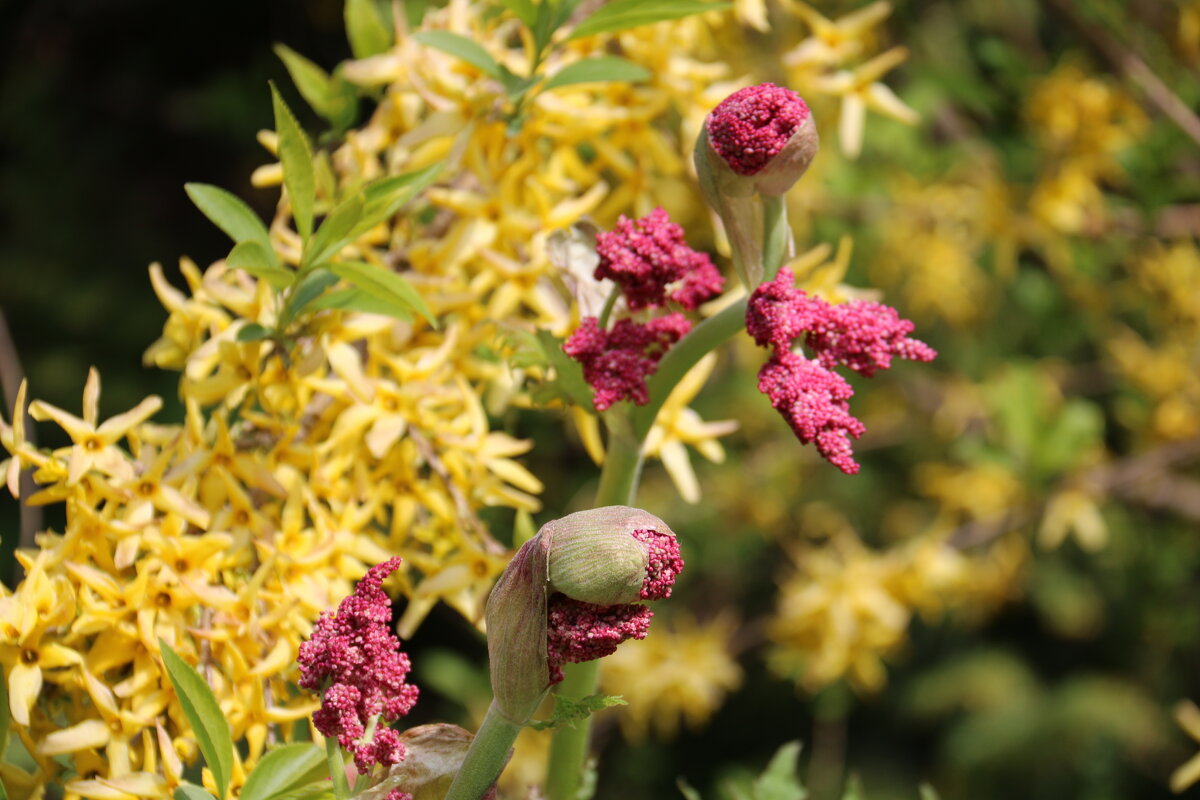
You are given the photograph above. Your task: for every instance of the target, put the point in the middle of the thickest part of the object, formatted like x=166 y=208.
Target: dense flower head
x=353 y=660
x=578 y=631
x=752 y=125
x=664 y=564
x=863 y=336
x=617 y=362
x=648 y=256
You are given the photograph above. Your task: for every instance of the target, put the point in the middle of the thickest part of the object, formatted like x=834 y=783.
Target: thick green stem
x=486 y=756
x=337 y=768
x=606 y=312
x=618 y=487
x=777 y=235
x=703 y=339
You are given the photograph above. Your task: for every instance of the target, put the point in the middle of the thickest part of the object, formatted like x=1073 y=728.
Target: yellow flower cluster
x=845 y=607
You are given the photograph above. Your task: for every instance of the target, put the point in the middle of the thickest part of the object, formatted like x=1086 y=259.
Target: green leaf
x=357 y=300
x=524 y=11
x=928 y=792
x=296 y=157
x=568 y=711
x=229 y=213
x=335 y=231
x=383 y=198
x=779 y=781
x=368 y=30
x=568 y=371
x=307 y=290
x=317 y=790
x=190 y=791
x=460 y=46
x=284 y=769
x=260 y=262
x=622 y=15
x=203 y=714
x=383 y=284
x=253 y=332
x=593 y=70
x=686 y=790
x=854 y=790
x=331 y=97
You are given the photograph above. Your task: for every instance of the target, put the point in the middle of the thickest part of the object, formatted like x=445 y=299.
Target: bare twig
x=1134 y=68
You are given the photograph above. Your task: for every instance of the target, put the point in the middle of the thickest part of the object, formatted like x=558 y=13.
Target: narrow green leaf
x=317 y=790
x=252 y=332
x=203 y=714
x=382 y=283
x=686 y=790
x=284 y=769
x=928 y=792
x=229 y=213
x=353 y=299
x=296 y=157
x=564 y=9
x=385 y=197
x=622 y=15
x=369 y=32
x=593 y=70
x=780 y=781
x=306 y=291
x=253 y=258
x=190 y=791
x=524 y=11
x=460 y=46
x=335 y=231
x=329 y=95
x=568 y=711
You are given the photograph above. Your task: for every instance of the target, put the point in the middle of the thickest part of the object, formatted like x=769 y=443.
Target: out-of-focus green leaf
x=524 y=11
x=296 y=157
x=354 y=299
x=854 y=790
x=622 y=15
x=461 y=47
x=335 y=232
x=306 y=291
x=229 y=213
x=368 y=30
x=283 y=770
x=204 y=715
x=330 y=96
x=385 y=197
x=780 y=780
x=252 y=332
x=686 y=790
x=383 y=284
x=593 y=70
x=260 y=262
x=5 y=719
x=568 y=373
x=190 y=791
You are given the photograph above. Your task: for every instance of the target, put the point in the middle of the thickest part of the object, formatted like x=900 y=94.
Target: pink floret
x=578 y=631
x=812 y=400
x=617 y=362
x=664 y=565
x=865 y=336
x=752 y=125
x=778 y=312
x=646 y=256
x=353 y=661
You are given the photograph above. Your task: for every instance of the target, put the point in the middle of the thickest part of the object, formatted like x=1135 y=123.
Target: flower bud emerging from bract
x=759 y=140
x=569 y=594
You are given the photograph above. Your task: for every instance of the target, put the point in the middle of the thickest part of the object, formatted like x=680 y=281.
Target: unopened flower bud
x=585 y=571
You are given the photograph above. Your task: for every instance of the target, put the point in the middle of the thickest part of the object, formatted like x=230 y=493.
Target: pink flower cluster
x=353 y=661
x=617 y=362
x=861 y=335
x=648 y=256
x=653 y=265
x=752 y=125
x=578 y=631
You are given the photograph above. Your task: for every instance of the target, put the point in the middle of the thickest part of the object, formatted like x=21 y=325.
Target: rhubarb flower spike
x=569 y=595
x=756 y=143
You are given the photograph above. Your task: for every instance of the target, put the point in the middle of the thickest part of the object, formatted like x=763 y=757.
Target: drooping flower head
x=649 y=259
x=570 y=595
x=811 y=397
x=353 y=661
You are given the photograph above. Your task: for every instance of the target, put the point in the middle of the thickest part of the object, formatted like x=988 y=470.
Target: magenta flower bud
x=569 y=595
x=759 y=140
